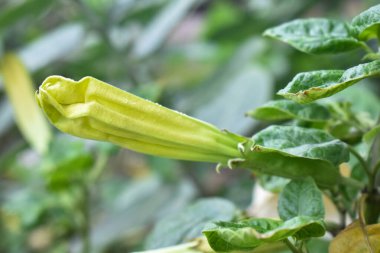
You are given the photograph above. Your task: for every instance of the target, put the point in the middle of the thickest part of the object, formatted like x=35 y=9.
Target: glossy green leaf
x=316 y=35
x=367 y=23
x=301 y=197
x=309 y=86
x=252 y=233
x=188 y=224
x=286 y=110
x=295 y=152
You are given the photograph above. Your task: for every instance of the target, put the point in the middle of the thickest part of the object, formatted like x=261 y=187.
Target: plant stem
x=291 y=246
x=361 y=161
x=86 y=226
x=367 y=48
x=362 y=221
x=352 y=183
x=375 y=170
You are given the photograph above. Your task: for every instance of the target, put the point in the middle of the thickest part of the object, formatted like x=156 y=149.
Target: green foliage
x=309 y=86
x=301 y=198
x=252 y=233
x=295 y=152
x=12 y=14
x=67 y=163
x=316 y=35
x=189 y=223
x=301 y=142
x=367 y=23
x=206 y=59
x=286 y=110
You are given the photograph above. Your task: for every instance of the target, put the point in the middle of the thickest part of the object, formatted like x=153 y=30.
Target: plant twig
x=362 y=222
x=352 y=183
x=362 y=162
x=86 y=226
x=368 y=49
x=375 y=170
x=291 y=246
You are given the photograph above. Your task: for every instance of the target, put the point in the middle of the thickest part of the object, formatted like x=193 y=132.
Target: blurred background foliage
x=205 y=58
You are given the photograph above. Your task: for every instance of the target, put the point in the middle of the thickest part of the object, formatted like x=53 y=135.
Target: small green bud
x=92 y=109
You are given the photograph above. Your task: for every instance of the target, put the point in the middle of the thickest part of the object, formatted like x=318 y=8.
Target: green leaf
x=295 y=152
x=302 y=142
x=372 y=134
x=67 y=163
x=252 y=233
x=362 y=97
x=309 y=86
x=316 y=35
x=345 y=124
x=367 y=23
x=17 y=11
x=188 y=224
x=301 y=198
x=286 y=110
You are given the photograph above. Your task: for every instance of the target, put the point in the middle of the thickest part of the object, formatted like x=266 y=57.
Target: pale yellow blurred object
x=264 y=203
x=19 y=89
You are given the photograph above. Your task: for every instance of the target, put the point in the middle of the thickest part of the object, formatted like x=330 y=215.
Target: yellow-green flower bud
x=90 y=108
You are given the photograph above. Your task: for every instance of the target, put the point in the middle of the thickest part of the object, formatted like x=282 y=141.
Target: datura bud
x=92 y=109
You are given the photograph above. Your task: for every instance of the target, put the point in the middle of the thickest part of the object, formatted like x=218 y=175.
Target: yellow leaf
x=19 y=89
x=352 y=240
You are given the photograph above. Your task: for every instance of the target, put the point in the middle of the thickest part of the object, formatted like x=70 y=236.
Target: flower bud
x=92 y=109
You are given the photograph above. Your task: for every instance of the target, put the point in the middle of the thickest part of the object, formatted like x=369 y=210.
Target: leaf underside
x=309 y=86
x=286 y=110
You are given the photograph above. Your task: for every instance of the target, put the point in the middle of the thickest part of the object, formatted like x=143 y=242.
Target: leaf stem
x=86 y=226
x=362 y=222
x=352 y=183
x=362 y=163
x=375 y=170
x=291 y=246
x=368 y=49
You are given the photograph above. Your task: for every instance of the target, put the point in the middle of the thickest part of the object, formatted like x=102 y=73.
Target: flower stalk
x=92 y=109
